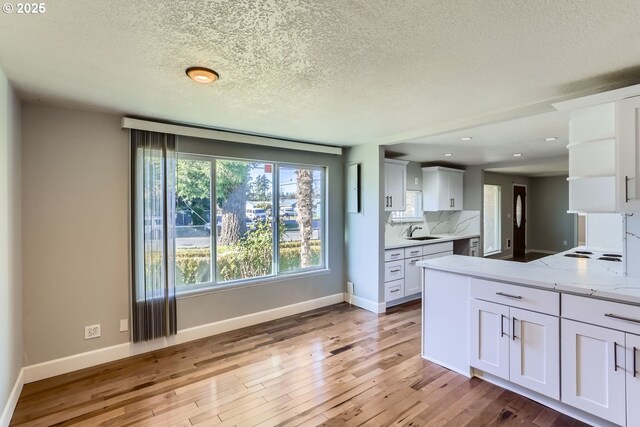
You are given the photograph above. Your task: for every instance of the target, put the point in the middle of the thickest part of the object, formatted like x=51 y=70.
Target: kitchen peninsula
x=562 y=330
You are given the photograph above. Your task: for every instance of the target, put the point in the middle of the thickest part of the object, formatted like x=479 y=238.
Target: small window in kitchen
x=413 y=209
x=491 y=206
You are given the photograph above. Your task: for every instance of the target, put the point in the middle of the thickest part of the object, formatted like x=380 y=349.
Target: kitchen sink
x=423 y=238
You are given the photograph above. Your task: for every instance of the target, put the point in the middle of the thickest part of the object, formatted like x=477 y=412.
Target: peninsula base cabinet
x=517 y=345
x=633 y=379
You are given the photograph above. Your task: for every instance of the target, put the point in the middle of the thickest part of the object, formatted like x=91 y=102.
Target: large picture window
x=238 y=220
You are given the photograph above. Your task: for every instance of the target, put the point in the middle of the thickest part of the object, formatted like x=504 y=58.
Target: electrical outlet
x=564 y=242
x=508 y=243
x=124 y=325
x=91 y=332
x=416 y=181
x=350 y=288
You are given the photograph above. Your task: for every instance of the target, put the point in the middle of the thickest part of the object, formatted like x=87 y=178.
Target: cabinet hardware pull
x=390 y=201
x=397 y=270
x=615 y=316
x=395 y=290
x=513 y=329
x=415 y=252
x=502 y=316
x=615 y=356
x=395 y=255
x=508 y=295
x=635 y=362
x=626 y=189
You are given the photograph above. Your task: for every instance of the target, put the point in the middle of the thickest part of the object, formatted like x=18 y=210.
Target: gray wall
x=75 y=219
x=365 y=230
x=76 y=262
x=473 y=180
x=414 y=170
x=549 y=223
x=506 y=193
x=11 y=347
x=214 y=306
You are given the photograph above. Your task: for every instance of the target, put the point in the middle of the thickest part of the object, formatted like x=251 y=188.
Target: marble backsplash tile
x=442 y=222
x=631 y=245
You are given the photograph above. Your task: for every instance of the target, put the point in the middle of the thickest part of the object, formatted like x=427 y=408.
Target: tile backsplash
x=442 y=222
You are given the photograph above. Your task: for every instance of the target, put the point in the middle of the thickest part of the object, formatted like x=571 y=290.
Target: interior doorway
x=519 y=221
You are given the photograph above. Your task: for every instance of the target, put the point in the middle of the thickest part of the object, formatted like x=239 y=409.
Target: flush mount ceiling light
x=202 y=74
x=466 y=138
x=551 y=138
x=517 y=154
x=448 y=154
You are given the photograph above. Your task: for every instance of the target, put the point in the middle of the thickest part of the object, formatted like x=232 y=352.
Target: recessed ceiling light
x=517 y=154
x=448 y=154
x=466 y=138
x=202 y=75
x=552 y=138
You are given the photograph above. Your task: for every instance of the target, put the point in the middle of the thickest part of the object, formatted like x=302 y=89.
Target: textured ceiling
x=335 y=71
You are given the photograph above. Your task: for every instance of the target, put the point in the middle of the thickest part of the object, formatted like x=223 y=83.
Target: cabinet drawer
x=393 y=254
x=393 y=290
x=435 y=248
x=393 y=270
x=516 y=296
x=602 y=313
x=413 y=251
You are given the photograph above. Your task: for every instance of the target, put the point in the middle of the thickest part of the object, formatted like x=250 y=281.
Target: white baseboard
x=108 y=354
x=10 y=406
x=365 y=303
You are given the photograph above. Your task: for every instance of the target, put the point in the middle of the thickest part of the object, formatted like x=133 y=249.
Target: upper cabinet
x=441 y=189
x=628 y=130
x=592 y=159
x=395 y=184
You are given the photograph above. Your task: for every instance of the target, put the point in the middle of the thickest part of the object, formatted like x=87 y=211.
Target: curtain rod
x=131 y=123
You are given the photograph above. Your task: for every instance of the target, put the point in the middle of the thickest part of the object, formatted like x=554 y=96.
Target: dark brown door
x=519 y=221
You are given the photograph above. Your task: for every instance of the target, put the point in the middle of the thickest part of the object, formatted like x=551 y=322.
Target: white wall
x=365 y=230
x=605 y=231
x=11 y=346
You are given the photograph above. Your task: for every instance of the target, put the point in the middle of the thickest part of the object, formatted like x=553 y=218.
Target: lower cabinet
x=633 y=379
x=517 y=345
x=412 y=281
x=593 y=370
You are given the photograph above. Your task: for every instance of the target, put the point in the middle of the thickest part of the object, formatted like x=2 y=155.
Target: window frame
x=214 y=285
x=497 y=223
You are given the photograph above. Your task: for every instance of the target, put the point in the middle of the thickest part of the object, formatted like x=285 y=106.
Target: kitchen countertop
x=555 y=273
x=403 y=242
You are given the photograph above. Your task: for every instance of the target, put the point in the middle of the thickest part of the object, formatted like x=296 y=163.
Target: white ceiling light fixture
x=202 y=75
x=551 y=138
x=448 y=154
x=517 y=154
x=466 y=138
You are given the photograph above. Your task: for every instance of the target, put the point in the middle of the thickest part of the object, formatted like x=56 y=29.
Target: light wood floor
x=336 y=366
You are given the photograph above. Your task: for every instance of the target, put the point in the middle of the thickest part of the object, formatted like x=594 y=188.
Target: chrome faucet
x=412 y=228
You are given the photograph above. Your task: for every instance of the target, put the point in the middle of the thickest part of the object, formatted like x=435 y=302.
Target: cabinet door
x=444 y=200
x=628 y=135
x=393 y=270
x=455 y=190
x=591 y=378
x=633 y=380
x=489 y=337
x=412 y=282
x=534 y=353
x=395 y=177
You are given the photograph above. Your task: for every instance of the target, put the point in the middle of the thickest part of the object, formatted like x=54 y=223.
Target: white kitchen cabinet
x=593 y=370
x=442 y=189
x=489 y=337
x=534 y=352
x=628 y=171
x=412 y=276
x=633 y=379
x=395 y=184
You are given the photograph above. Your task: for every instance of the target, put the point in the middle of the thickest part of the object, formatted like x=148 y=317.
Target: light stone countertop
x=556 y=273
x=405 y=243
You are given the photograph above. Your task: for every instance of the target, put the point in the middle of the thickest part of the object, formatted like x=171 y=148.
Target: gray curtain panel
x=153 y=180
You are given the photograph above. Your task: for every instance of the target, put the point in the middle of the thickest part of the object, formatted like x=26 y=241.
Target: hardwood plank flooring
x=335 y=366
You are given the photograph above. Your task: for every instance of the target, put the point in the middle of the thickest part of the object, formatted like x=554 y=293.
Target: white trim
x=364 y=303
x=10 y=406
x=598 y=98
x=466 y=373
x=547 y=401
x=396 y=162
x=402 y=300
x=197 y=132
x=91 y=358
